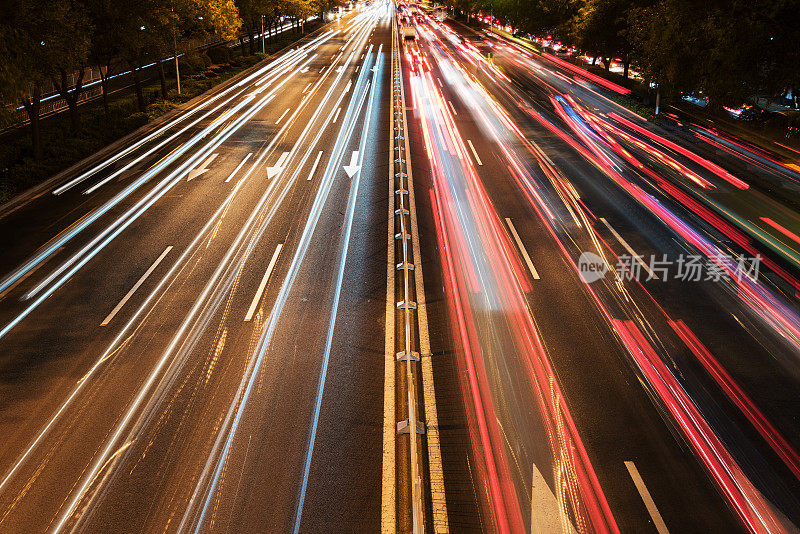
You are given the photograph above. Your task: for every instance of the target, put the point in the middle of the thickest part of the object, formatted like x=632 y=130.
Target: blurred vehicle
x=415 y=60
x=407 y=29
x=745 y=112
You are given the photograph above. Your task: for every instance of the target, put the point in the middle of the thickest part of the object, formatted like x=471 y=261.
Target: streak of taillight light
x=713 y=167
x=586 y=74
x=586 y=500
x=764 y=427
x=743 y=497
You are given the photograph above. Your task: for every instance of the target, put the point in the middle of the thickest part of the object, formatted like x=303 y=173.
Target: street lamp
x=263 y=50
x=175 y=52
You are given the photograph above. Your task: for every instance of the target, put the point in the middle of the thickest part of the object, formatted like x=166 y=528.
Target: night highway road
x=221 y=322
x=191 y=321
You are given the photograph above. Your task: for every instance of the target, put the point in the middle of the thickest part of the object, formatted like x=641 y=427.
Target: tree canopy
x=730 y=49
x=44 y=42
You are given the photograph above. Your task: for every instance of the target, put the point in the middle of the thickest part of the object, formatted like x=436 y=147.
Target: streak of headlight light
x=120 y=228
x=163 y=186
x=215 y=122
x=198 y=107
x=95 y=214
x=271 y=77
x=325 y=185
x=118 y=338
x=361 y=36
x=157 y=191
x=154 y=292
x=351 y=206
x=67 y=513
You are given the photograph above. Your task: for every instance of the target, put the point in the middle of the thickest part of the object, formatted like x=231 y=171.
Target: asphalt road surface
x=192 y=322
x=190 y=334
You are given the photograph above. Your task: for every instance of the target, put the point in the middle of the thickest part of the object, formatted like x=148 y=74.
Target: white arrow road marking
x=337 y=114
x=353 y=168
x=314 y=168
x=228 y=179
x=339 y=68
x=279 y=166
x=263 y=284
x=304 y=70
x=194 y=173
x=349 y=84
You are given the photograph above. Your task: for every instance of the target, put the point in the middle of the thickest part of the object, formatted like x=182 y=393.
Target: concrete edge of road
x=39 y=189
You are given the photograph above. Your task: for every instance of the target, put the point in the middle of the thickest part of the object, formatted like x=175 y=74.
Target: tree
x=601 y=27
x=149 y=31
x=107 y=19
x=301 y=10
x=43 y=41
x=730 y=49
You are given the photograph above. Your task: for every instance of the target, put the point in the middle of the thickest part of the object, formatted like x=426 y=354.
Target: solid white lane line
x=629 y=249
x=282 y=116
x=263 y=284
x=474 y=152
x=336 y=116
x=135 y=287
x=655 y=515
x=228 y=179
x=522 y=249
x=452 y=108
x=314 y=167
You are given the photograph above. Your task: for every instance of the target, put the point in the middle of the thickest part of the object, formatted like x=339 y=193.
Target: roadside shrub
x=219 y=54
x=159 y=107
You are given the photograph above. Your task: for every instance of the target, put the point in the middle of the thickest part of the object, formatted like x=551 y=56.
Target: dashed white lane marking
x=238 y=167
x=452 y=108
x=474 y=152
x=263 y=284
x=314 y=167
x=282 y=116
x=655 y=515
x=522 y=249
x=629 y=249
x=135 y=287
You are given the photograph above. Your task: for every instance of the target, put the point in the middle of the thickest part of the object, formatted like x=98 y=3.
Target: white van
x=407 y=29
